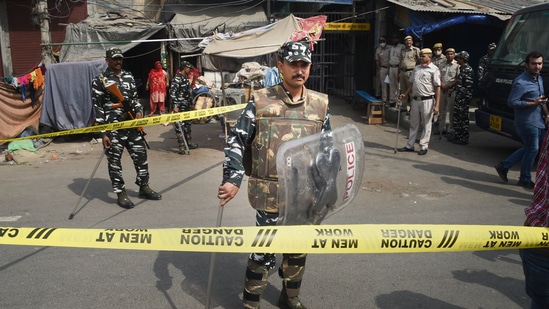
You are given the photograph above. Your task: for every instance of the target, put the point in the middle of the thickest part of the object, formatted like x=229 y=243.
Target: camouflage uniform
x=130 y=139
x=464 y=94
x=180 y=94
x=270 y=118
x=482 y=64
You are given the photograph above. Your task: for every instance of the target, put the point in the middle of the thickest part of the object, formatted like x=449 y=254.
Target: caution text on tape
x=141 y=122
x=328 y=239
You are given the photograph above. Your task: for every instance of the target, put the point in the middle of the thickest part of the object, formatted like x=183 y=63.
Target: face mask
x=382 y=45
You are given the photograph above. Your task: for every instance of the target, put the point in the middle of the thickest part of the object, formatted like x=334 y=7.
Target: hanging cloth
x=39 y=79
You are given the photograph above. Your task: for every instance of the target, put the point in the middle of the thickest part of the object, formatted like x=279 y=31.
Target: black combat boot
x=124 y=201
x=285 y=302
x=190 y=142
x=148 y=193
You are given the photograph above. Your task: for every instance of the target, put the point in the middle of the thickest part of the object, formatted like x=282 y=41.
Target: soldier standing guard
x=109 y=109
x=274 y=115
x=464 y=94
x=448 y=74
x=394 y=62
x=382 y=67
x=409 y=58
x=180 y=94
x=482 y=65
x=438 y=55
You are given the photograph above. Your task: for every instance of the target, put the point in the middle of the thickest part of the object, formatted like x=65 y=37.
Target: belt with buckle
x=384 y=66
x=394 y=66
x=423 y=98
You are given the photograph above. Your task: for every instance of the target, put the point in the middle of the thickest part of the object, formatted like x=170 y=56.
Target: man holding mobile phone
x=527 y=98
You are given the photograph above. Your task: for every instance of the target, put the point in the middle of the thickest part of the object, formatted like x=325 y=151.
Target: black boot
x=124 y=201
x=190 y=142
x=148 y=193
x=286 y=302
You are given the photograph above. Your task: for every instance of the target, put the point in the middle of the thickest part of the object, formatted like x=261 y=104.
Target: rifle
x=112 y=87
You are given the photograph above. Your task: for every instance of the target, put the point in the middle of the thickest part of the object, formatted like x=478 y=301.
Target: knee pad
x=255 y=283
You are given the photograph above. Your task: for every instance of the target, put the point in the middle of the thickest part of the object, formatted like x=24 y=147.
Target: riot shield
x=319 y=175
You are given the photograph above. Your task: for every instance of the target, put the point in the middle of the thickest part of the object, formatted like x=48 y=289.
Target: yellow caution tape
x=141 y=122
x=335 y=239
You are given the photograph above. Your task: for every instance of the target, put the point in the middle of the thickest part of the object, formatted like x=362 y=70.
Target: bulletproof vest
x=279 y=119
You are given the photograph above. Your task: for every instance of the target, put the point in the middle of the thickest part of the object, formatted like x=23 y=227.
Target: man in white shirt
x=424 y=89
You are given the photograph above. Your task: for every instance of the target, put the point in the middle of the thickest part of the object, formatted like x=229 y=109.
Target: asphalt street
x=450 y=185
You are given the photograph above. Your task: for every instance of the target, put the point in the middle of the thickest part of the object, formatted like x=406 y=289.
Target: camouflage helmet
x=114 y=52
x=185 y=64
x=295 y=51
x=463 y=55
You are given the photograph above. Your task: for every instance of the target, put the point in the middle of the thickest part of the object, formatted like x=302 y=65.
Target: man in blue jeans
x=527 y=98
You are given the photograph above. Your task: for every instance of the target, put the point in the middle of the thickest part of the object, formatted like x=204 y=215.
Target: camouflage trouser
x=259 y=264
x=131 y=140
x=185 y=126
x=461 y=117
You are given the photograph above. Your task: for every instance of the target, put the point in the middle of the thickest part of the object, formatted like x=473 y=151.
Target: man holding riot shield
x=114 y=96
x=274 y=115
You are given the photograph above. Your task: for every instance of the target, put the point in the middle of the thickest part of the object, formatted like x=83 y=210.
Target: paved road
x=450 y=185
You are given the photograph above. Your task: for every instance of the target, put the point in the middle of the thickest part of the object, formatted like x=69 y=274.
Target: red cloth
x=157 y=79
x=194 y=74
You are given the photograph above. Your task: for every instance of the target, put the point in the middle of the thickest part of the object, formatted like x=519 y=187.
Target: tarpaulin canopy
x=88 y=39
x=188 y=22
x=256 y=42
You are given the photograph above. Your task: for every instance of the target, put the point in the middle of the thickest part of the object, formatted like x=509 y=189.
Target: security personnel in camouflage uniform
x=464 y=94
x=274 y=115
x=180 y=93
x=114 y=142
x=483 y=63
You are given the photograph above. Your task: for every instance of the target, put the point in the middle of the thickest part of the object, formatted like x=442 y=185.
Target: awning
x=189 y=22
x=475 y=7
x=101 y=34
x=256 y=42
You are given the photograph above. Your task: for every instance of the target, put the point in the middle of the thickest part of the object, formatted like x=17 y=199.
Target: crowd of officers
x=395 y=63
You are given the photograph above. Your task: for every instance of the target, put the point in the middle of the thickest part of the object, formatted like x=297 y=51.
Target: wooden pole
x=44 y=23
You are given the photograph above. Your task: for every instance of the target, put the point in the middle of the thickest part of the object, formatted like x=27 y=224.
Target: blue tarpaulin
x=420 y=30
